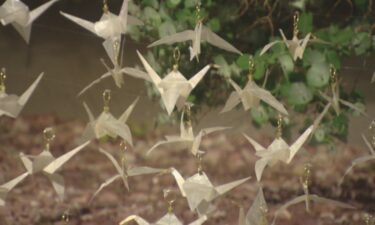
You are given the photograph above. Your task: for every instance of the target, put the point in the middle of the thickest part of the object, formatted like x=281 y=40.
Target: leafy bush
x=249 y=25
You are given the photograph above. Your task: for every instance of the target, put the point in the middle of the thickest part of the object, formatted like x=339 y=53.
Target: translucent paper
x=174 y=88
x=257 y=214
x=117 y=73
x=48 y=165
x=19 y=15
x=7 y=187
x=196 y=36
x=295 y=46
x=123 y=173
x=250 y=97
x=200 y=192
x=11 y=105
x=187 y=137
x=168 y=219
x=110 y=27
x=107 y=125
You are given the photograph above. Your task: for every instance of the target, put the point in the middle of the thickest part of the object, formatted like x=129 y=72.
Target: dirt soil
x=229 y=157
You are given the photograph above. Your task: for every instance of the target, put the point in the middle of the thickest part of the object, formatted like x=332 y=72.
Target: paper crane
x=197 y=36
x=335 y=99
x=106 y=124
x=7 y=187
x=46 y=163
x=362 y=159
x=251 y=95
x=200 y=192
x=117 y=73
x=307 y=197
x=173 y=88
x=19 y=15
x=168 y=219
x=295 y=46
x=123 y=171
x=110 y=27
x=11 y=105
x=257 y=214
x=278 y=150
x=187 y=136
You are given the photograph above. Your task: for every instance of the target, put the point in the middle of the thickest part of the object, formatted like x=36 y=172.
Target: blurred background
x=70 y=58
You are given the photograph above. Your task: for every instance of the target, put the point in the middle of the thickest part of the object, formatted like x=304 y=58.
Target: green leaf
x=152 y=16
x=190 y=3
x=305 y=24
x=167 y=28
x=173 y=3
x=318 y=75
x=299 y=94
x=214 y=24
x=286 y=63
x=333 y=58
x=243 y=61
x=153 y=3
x=259 y=115
x=313 y=57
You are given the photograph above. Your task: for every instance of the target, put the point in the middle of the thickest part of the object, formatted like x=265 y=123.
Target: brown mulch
x=229 y=157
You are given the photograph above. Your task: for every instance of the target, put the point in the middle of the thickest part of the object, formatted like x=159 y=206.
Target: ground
x=229 y=157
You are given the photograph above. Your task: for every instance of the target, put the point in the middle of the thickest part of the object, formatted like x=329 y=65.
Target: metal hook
x=106 y=99
x=251 y=67
x=176 y=57
x=279 y=131
x=198 y=11
x=170 y=197
x=123 y=149
x=295 y=24
x=105 y=6
x=48 y=135
x=200 y=166
x=3 y=77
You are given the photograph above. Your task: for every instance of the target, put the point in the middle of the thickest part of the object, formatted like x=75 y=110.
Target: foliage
x=248 y=24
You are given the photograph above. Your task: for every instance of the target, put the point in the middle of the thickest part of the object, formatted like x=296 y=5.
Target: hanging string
x=124 y=163
x=48 y=136
x=170 y=197
x=198 y=12
x=200 y=166
x=106 y=99
x=279 y=130
x=105 y=7
x=295 y=24
x=251 y=68
x=176 y=57
x=306 y=182
x=3 y=77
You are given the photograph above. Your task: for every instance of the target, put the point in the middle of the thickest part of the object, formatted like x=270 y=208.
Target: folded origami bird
x=257 y=214
x=362 y=159
x=7 y=187
x=117 y=73
x=123 y=172
x=200 y=192
x=335 y=99
x=174 y=88
x=19 y=15
x=307 y=198
x=187 y=136
x=197 y=36
x=250 y=97
x=48 y=165
x=106 y=124
x=110 y=27
x=11 y=105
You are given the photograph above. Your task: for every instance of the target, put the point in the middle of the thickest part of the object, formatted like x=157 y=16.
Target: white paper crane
x=251 y=95
x=123 y=171
x=110 y=27
x=11 y=105
x=278 y=150
x=257 y=214
x=7 y=187
x=295 y=46
x=117 y=73
x=307 y=198
x=362 y=159
x=335 y=99
x=187 y=137
x=106 y=124
x=197 y=36
x=19 y=15
x=168 y=219
x=47 y=164
x=173 y=88
x=200 y=192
